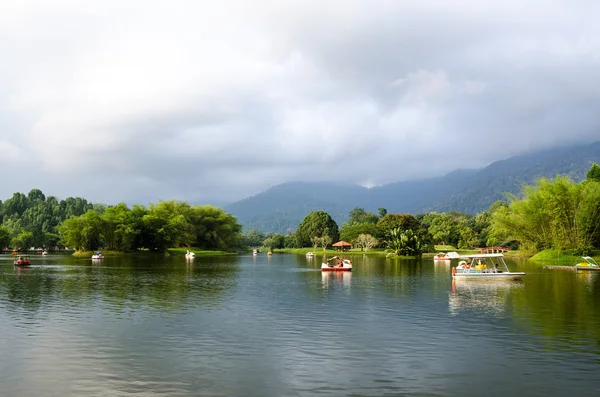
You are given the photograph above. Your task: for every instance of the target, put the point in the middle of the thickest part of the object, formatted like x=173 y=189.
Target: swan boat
x=445 y=256
x=190 y=255
x=484 y=267
x=309 y=254
x=589 y=264
x=336 y=264
x=97 y=255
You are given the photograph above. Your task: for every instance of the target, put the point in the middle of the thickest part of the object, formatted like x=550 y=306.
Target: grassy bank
x=198 y=252
x=551 y=256
x=170 y=251
x=104 y=253
x=319 y=251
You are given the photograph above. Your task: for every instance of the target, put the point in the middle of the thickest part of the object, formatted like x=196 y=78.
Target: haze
x=211 y=102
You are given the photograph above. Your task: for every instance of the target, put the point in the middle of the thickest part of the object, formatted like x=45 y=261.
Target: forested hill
x=281 y=208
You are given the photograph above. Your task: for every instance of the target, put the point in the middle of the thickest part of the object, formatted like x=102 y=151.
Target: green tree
x=359 y=215
x=366 y=242
x=316 y=224
x=254 y=238
x=399 y=221
x=350 y=233
x=405 y=243
x=555 y=213
x=4 y=237
x=594 y=173
x=382 y=212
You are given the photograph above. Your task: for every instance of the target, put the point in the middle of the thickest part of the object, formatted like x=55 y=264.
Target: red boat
x=20 y=261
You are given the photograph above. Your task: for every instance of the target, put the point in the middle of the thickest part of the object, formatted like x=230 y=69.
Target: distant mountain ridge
x=282 y=207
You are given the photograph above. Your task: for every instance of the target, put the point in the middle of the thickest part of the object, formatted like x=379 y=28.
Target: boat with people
x=589 y=265
x=309 y=254
x=22 y=261
x=44 y=253
x=337 y=264
x=255 y=252
x=97 y=255
x=484 y=267
x=190 y=255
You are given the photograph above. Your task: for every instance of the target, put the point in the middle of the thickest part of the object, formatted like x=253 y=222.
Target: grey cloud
x=217 y=102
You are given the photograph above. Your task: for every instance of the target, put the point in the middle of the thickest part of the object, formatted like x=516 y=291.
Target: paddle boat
x=484 y=267
x=190 y=255
x=255 y=252
x=336 y=264
x=309 y=254
x=445 y=256
x=44 y=253
x=589 y=264
x=97 y=255
x=20 y=261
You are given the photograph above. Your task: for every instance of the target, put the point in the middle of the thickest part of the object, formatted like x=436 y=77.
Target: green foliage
x=405 y=243
x=274 y=241
x=366 y=242
x=253 y=238
x=290 y=241
x=316 y=224
x=359 y=215
x=594 y=173
x=4 y=237
x=558 y=214
x=399 y=221
x=350 y=233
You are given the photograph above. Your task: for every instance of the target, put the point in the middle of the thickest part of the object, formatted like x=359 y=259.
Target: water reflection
x=336 y=279
x=480 y=296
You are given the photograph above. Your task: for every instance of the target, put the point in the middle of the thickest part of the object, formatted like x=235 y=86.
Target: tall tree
x=316 y=224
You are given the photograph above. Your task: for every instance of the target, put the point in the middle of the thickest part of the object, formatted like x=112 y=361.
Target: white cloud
x=214 y=101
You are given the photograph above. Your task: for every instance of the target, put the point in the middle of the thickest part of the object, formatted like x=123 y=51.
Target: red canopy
x=341 y=244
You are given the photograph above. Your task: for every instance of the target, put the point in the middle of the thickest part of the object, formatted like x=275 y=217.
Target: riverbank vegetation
x=34 y=220
x=558 y=215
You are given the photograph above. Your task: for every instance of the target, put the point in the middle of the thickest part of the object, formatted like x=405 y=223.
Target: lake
x=277 y=326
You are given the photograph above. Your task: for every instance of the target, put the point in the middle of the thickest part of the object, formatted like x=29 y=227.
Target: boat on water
x=484 y=267
x=190 y=255
x=22 y=261
x=336 y=264
x=97 y=255
x=255 y=252
x=445 y=256
x=589 y=264
x=309 y=254
x=44 y=253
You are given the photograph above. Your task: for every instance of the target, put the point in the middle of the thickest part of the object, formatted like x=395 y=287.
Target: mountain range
x=281 y=208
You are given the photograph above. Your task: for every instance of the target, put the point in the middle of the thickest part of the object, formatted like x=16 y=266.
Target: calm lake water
x=259 y=326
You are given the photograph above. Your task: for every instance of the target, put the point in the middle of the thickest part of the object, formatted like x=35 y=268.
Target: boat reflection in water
x=486 y=297
x=336 y=279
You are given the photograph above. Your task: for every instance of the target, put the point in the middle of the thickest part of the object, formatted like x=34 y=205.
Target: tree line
x=558 y=213
x=34 y=220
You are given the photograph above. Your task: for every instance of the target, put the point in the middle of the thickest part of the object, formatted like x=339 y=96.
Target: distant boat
x=44 y=252
x=190 y=255
x=589 y=264
x=20 y=261
x=97 y=255
x=309 y=254
x=255 y=252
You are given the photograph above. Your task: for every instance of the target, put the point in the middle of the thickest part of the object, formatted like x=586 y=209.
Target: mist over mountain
x=282 y=207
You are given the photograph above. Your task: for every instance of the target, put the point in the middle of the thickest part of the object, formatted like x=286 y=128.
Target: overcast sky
x=212 y=102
